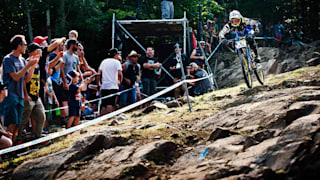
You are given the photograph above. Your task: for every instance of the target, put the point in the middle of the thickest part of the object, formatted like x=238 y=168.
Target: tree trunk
x=139 y=9
x=27 y=12
x=61 y=19
x=48 y=21
x=200 y=26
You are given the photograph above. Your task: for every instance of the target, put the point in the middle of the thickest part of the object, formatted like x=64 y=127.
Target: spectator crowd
x=52 y=85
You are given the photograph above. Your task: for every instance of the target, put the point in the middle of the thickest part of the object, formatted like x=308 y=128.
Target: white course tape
x=87 y=102
x=99 y=119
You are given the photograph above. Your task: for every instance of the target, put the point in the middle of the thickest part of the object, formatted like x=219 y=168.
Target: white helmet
x=235 y=18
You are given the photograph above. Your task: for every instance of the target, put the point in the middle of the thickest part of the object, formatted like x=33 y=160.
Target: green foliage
x=92 y=18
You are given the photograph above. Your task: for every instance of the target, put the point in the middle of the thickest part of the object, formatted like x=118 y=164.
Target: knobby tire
x=246 y=71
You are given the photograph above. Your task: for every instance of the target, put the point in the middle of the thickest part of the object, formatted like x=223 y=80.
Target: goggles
x=235 y=22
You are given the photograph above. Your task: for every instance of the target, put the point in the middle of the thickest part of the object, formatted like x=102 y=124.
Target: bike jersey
x=244 y=29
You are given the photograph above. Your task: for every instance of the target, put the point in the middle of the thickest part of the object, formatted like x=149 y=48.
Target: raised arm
x=56 y=43
x=54 y=62
x=16 y=76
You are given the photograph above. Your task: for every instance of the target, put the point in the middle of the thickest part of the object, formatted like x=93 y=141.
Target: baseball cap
x=32 y=47
x=39 y=39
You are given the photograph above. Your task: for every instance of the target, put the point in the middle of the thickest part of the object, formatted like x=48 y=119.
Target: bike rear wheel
x=259 y=74
x=246 y=71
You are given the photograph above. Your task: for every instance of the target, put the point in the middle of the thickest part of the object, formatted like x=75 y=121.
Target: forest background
x=92 y=18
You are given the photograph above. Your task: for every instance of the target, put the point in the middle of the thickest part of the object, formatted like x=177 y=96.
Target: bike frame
x=246 y=51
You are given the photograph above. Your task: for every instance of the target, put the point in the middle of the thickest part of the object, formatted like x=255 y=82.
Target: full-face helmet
x=235 y=18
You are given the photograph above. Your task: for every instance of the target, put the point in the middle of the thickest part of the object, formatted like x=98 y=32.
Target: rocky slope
x=268 y=132
x=274 y=61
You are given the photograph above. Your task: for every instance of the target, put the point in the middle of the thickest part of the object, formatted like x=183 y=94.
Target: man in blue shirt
x=70 y=62
x=15 y=71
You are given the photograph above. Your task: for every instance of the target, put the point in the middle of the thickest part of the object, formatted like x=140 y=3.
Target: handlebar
x=228 y=40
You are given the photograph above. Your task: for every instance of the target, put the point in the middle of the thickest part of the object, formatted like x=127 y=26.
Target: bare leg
x=76 y=121
x=64 y=112
x=11 y=128
x=103 y=111
x=15 y=134
x=70 y=121
x=109 y=109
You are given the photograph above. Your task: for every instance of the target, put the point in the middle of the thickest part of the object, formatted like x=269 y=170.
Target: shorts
x=74 y=111
x=13 y=109
x=110 y=100
x=92 y=96
x=128 y=97
x=59 y=91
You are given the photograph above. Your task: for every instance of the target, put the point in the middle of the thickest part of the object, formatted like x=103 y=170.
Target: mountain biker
x=243 y=27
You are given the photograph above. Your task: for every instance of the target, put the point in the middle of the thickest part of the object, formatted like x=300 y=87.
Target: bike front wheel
x=259 y=74
x=246 y=71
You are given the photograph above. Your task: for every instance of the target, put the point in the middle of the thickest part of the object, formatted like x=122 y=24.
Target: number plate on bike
x=241 y=44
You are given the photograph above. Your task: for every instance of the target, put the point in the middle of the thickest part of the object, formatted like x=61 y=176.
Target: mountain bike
x=248 y=65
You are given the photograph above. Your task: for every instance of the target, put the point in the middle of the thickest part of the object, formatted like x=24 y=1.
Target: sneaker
x=45 y=131
x=257 y=59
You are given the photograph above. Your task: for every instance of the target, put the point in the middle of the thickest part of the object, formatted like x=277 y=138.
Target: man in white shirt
x=111 y=72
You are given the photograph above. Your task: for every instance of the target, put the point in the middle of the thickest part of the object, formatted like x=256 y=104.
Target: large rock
x=307 y=162
x=219 y=133
x=272 y=66
x=219 y=152
x=159 y=152
x=110 y=164
x=48 y=166
x=272 y=109
x=174 y=103
x=117 y=154
x=291 y=142
x=184 y=99
x=253 y=153
x=153 y=106
x=107 y=171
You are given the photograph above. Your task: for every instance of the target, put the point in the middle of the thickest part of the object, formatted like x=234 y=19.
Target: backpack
x=127 y=63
